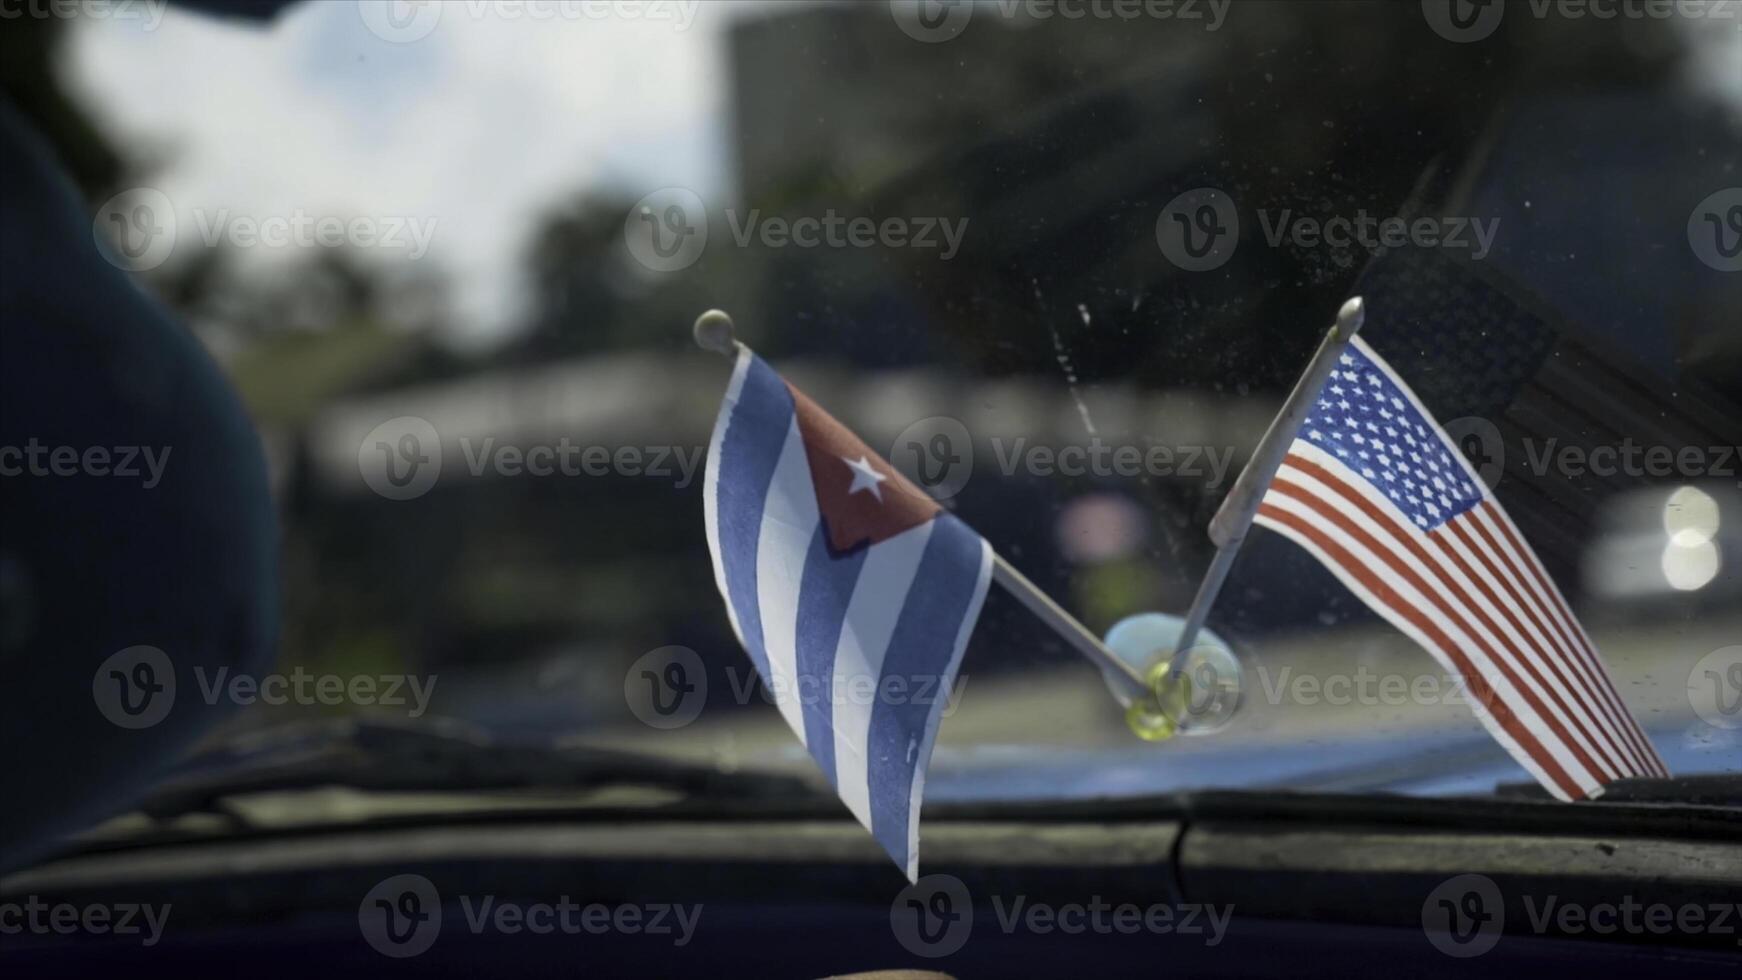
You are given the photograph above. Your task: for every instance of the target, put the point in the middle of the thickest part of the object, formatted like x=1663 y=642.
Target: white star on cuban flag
x=842 y=580
x=865 y=476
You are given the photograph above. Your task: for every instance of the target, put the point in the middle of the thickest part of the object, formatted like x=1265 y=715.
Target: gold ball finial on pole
x=713 y=331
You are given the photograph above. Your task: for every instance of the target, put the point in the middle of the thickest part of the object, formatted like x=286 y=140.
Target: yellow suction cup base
x=1156 y=717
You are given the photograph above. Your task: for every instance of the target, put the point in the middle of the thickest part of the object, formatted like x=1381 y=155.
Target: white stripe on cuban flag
x=789 y=522
x=851 y=591
x=1374 y=489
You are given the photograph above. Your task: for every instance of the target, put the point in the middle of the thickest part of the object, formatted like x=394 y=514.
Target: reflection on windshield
x=1060 y=272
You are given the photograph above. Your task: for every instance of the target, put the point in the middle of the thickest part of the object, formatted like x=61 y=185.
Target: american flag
x=1375 y=490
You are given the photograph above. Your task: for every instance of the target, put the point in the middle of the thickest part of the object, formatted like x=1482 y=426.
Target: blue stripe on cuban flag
x=851 y=591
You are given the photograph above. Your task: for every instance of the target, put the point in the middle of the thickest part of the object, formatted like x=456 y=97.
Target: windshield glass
x=1059 y=264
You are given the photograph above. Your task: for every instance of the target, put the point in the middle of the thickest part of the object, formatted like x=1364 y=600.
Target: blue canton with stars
x=1363 y=419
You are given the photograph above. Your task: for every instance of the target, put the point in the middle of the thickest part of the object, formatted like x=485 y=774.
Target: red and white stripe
x=1477 y=598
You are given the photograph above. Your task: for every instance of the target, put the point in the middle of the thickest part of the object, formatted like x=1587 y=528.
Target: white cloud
x=480 y=124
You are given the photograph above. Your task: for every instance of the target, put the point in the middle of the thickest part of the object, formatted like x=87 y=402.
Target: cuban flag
x=1374 y=488
x=851 y=590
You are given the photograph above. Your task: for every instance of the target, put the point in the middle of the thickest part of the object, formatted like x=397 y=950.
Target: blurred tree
x=586 y=294
x=29 y=47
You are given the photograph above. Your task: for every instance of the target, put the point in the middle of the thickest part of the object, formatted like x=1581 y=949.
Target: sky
x=475 y=125
x=466 y=117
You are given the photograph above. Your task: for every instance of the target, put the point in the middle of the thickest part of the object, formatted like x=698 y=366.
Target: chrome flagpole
x=1234 y=518
x=714 y=331
x=1066 y=626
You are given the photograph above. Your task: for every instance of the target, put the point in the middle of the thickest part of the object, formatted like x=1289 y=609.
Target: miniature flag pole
x=714 y=331
x=1065 y=625
x=1234 y=518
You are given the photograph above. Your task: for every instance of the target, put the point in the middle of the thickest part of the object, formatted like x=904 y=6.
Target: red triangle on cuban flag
x=861 y=498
